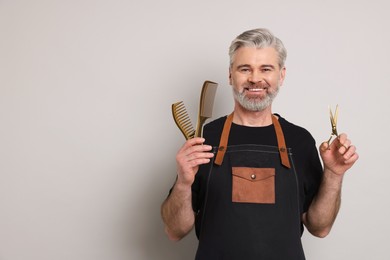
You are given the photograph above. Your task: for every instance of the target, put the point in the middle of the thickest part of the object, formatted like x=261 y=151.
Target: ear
x=282 y=76
x=230 y=76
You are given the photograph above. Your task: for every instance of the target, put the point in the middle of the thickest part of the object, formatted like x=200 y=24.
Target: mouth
x=257 y=89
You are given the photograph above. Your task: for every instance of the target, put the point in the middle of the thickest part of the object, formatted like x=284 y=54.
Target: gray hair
x=258 y=38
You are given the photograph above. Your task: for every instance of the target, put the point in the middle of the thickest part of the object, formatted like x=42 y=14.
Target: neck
x=251 y=118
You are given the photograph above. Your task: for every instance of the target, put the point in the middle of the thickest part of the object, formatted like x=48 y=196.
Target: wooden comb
x=182 y=120
x=205 y=105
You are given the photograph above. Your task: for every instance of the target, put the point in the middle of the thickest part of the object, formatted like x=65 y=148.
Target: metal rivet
x=253 y=176
x=282 y=149
x=221 y=148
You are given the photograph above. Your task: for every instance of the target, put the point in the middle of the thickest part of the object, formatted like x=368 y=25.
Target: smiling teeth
x=255 y=89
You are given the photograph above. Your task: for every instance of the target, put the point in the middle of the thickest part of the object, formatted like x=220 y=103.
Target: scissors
x=333 y=122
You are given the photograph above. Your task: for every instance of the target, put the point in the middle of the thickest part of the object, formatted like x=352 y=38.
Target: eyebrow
x=243 y=66
x=262 y=66
x=268 y=66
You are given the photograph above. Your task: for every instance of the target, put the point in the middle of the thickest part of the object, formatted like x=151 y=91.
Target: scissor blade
x=331 y=116
x=336 y=114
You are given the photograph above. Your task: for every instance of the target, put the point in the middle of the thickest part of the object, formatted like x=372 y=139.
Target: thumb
x=324 y=146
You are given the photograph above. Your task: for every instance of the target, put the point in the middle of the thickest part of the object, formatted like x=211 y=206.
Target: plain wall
x=87 y=139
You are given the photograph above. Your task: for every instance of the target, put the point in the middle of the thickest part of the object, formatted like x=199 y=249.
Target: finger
x=199 y=155
x=197 y=149
x=192 y=142
x=190 y=165
x=342 y=138
x=198 y=161
x=343 y=147
x=195 y=152
x=350 y=152
x=196 y=140
x=352 y=159
x=324 y=146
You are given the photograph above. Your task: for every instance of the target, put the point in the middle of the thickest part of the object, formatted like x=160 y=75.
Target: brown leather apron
x=251 y=209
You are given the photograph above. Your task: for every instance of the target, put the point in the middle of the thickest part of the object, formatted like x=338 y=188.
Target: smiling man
x=256 y=77
x=255 y=180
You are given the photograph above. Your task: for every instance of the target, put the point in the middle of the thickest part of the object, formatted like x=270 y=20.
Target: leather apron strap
x=279 y=136
x=224 y=140
x=281 y=142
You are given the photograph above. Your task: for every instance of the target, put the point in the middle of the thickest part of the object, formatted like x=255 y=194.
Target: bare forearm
x=324 y=209
x=177 y=212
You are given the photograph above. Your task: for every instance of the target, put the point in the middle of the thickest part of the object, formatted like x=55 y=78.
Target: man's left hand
x=339 y=156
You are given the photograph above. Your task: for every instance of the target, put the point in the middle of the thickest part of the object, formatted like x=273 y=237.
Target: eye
x=267 y=68
x=244 y=70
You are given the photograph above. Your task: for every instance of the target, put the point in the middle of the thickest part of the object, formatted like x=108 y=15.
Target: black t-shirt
x=305 y=155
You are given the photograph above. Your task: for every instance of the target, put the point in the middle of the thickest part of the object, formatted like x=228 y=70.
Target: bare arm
x=324 y=208
x=176 y=210
x=337 y=158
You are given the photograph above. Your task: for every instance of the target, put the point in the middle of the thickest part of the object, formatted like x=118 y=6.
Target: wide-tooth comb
x=182 y=120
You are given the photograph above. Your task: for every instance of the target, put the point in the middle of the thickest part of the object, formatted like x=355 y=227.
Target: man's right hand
x=192 y=154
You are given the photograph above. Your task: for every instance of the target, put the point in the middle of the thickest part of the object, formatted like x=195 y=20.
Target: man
x=255 y=179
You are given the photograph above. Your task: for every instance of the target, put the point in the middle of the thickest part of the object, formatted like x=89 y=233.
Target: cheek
x=237 y=78
x=275 y=80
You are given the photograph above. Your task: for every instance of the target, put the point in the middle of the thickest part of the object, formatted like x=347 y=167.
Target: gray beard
x=254 y=104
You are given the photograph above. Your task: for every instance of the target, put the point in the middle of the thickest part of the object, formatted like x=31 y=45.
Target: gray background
x=87 y=140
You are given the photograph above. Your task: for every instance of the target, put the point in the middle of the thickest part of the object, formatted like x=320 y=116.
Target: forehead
x=256 y=56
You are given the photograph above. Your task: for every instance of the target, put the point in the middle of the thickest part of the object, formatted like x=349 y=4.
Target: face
x=255 y=77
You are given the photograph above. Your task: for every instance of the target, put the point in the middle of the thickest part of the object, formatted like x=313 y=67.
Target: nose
x=255 y=77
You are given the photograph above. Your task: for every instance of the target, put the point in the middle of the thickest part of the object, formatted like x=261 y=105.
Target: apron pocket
x=253 y=185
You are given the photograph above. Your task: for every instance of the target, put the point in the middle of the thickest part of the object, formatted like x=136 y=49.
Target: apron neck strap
x=224 y=140
x=279 y=136
x=281 y=142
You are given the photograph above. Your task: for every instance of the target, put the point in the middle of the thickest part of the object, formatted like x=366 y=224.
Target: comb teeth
x=182 y=120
